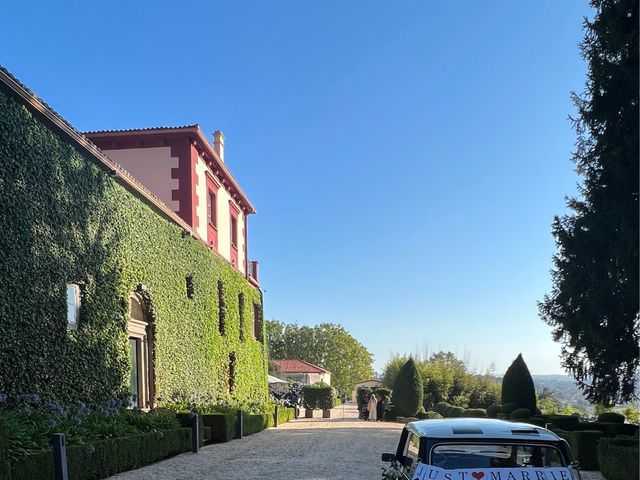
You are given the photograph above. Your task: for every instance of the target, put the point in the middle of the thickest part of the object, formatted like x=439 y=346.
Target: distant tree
x=594 y=302
x=391 y=369
x=407 y=390
x=327 y=345
x=517 y=386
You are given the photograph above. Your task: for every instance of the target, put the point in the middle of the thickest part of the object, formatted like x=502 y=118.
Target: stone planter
x=326 y=413
x=308 y=413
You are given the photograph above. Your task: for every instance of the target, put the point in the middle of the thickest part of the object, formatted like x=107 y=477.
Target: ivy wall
x=63 y=220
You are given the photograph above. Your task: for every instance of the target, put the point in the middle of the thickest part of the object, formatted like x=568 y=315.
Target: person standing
x=372 y=406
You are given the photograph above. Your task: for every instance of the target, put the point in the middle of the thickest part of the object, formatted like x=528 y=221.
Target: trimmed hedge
x=76 y=223
x=494 y=410
x=618 y=458
x=430 y=415
x=565 y=422
x=105 y=457
x=611 y=417
x=474 y=413
x=454 y=412
x=584 y=445
x=222 y=425
x=442 y=407
x=285 y=414
x=520 y=414
x=256 y=423
x=610 y=429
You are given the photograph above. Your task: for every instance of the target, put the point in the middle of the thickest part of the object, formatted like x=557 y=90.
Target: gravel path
x=304 y=449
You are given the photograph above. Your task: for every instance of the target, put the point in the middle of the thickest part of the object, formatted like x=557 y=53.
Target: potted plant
x=326 y=399
x=309 y=400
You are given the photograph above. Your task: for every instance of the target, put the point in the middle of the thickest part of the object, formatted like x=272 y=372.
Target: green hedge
x=520 y=414
x=565 y=422
x=494 y=410
x=584 y=445
x=474 y=413
x=105 y=457
x=507 y=408
x=65 y=220
x=442 y=407
x=319 y=395
x=430 y=415
x=618 y=458
x=611 y=417
x=222 y=426
x=454 y=412
x=256 y=423
x=286 y=414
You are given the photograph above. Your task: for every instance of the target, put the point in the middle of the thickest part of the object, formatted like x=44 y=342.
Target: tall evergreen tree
x=407 y=390
x=517 y=386
x=593 y=304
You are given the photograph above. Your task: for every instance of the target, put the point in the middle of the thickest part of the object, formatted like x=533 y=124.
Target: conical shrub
x=517 y=386
x=407 y=390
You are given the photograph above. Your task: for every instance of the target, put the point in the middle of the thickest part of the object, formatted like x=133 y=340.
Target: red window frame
x=212 y=212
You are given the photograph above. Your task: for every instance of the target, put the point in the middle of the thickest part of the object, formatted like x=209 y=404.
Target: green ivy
x=64 y=220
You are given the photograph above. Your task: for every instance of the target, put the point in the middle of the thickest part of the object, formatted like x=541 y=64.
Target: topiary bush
x=309 y=397
x=474 y=413
x=407 y=390
x=430 y=415
x=520 y=413
x=517 y=386
x=507 y=408
x=611 y=417
x=565 y=422
x=454 y=412
x=618 y=458
x=494 y=410
x=442 y=407
x=325 y=395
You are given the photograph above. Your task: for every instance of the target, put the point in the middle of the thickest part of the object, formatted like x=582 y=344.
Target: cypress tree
x=593 y=306
x=407 y=390
x=517 y=386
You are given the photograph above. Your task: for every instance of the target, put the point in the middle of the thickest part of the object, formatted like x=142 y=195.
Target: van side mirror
x=575 y=465
x=388 y=457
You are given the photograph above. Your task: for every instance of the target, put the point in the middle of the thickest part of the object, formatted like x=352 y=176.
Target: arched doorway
x=141 y=381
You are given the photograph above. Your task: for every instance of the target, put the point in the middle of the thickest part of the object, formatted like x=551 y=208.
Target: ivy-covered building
x=124 y=269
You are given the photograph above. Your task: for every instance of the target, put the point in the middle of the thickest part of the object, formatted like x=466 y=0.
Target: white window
x=73 y=305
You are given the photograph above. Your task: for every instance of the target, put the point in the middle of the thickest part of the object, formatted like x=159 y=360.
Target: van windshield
x=452 y=456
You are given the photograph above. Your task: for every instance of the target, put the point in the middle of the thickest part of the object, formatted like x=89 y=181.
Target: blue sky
x=406 y=158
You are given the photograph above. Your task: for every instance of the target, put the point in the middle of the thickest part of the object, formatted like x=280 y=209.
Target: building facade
x=112 y=282
x=302 y=372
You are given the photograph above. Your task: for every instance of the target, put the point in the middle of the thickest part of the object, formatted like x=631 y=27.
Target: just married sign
x=427 y=472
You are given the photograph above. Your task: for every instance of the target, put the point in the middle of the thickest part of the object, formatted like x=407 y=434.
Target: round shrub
x=494 y=410
x=611 y=417
x=407 y=390
x=517 y=386
x=520 y=413
x=507 y=408
x=454 y=412
x=430 y=415
x=474 y=413
x=442 y=407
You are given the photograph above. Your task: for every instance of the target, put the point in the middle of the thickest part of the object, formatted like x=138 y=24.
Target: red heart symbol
x=477 y=475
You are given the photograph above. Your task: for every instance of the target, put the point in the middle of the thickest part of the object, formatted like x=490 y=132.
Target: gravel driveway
x=304 y=449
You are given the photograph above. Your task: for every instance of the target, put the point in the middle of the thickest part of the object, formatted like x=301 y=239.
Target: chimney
x=218 y=143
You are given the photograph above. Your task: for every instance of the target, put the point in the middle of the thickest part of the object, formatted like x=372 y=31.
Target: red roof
x=298 y=366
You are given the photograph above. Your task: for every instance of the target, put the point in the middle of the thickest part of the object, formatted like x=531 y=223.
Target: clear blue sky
x=405 y=158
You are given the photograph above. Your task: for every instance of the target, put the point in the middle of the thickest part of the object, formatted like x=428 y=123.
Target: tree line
x=327 y=345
